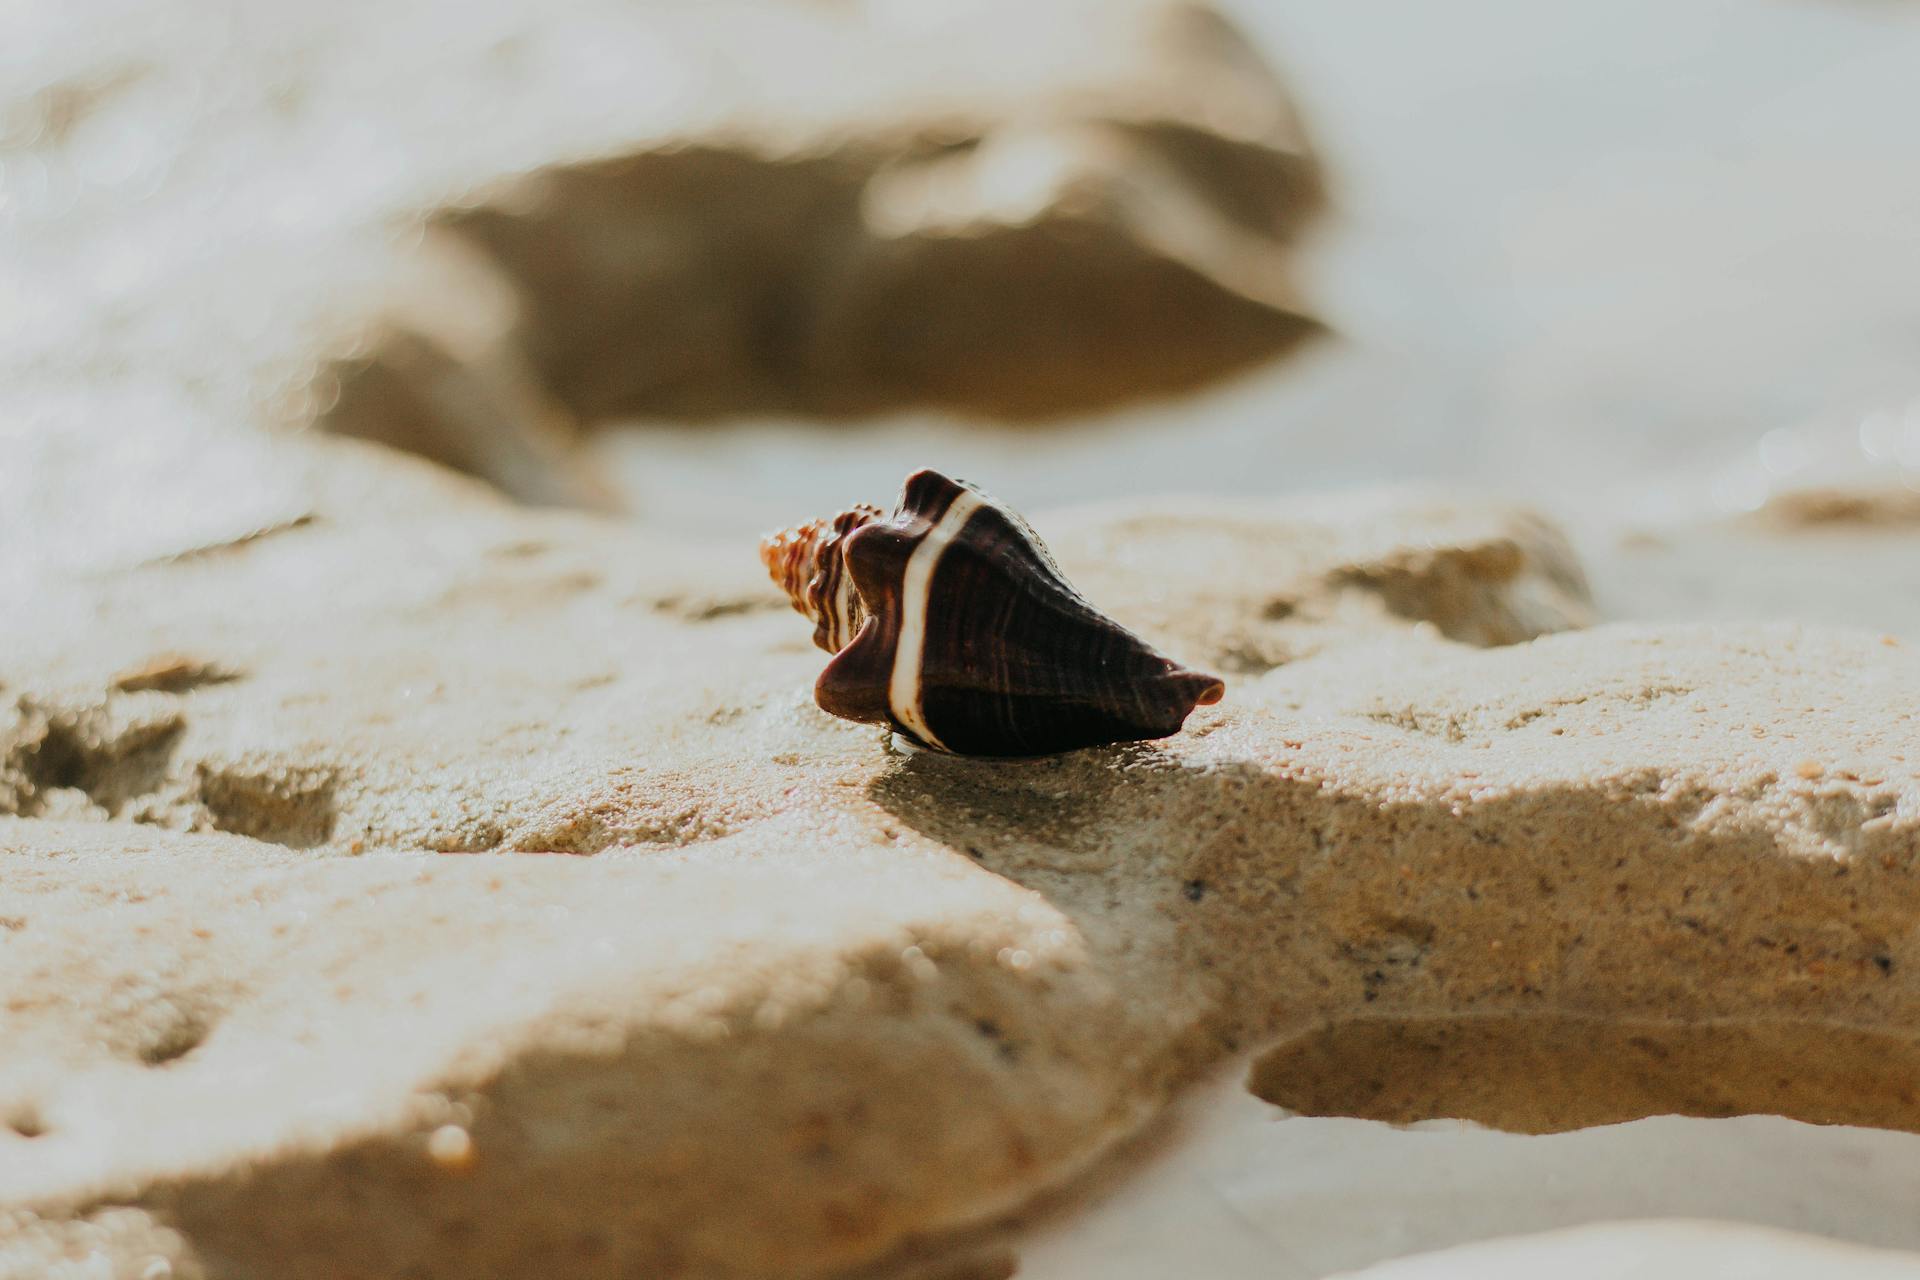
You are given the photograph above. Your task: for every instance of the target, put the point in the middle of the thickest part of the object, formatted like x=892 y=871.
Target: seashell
x=808 y=565
x=950 y=621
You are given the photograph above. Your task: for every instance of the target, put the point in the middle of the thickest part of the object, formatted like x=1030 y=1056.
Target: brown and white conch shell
x=949 y=621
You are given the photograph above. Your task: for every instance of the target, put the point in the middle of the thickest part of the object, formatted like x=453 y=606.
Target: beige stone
x=813 y=998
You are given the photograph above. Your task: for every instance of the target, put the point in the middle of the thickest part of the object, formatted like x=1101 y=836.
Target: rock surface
x=812 y=998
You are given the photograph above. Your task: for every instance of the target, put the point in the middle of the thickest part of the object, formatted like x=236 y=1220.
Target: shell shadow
x=1084 y=811
x=1130 y=844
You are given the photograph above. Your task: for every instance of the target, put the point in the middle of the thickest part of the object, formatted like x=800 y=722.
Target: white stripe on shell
x=842 y=630
x=903 y=690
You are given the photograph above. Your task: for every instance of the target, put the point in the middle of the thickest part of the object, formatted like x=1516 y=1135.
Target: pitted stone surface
x=811 y=997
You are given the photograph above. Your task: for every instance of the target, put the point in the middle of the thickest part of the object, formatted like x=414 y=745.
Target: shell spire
x=950 y=621
x=807 y=564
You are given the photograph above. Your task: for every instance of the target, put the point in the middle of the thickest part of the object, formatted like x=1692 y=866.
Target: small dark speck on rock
x=1885 y=963
x=1195 y=890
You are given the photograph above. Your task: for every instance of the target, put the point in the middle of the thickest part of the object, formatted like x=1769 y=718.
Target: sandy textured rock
x=813 y=998
x=523 y=682
x=1282 y=580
